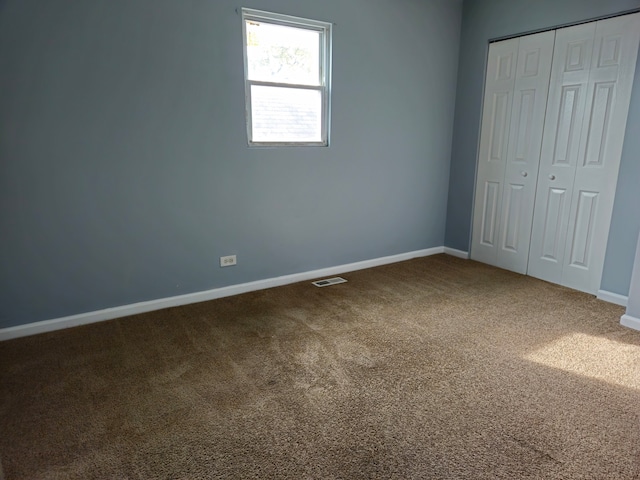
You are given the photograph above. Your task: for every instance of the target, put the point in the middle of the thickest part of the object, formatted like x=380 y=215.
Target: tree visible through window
x=287 y=76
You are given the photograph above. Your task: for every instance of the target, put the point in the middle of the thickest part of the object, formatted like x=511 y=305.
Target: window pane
x=286 y=114
x=276 y=53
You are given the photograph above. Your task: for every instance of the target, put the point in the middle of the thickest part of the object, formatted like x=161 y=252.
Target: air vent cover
x=329 y=281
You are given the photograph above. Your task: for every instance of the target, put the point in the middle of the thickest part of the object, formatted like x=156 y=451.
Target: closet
x=553 y=124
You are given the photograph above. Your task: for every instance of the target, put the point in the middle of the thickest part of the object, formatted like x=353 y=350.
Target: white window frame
x=324 y=28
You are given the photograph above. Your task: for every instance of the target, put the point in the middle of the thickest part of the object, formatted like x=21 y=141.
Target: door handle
x=552 y=177
x=524 y=174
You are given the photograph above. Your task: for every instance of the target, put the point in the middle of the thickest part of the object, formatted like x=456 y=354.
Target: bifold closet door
x=523 y=154
x=515 y=98
x=590 y=90
x=494 y=137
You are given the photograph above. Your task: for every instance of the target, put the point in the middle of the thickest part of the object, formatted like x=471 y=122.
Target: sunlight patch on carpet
x=595 y=357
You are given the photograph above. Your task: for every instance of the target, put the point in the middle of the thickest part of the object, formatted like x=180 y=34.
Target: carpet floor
x=432 y=368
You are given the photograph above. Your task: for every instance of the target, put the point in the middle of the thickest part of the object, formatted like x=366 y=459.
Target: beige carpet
x=432 y=368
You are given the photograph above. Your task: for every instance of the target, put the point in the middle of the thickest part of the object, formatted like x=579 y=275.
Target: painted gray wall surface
x=633 y=307
x=124 y=167
x=483 y=20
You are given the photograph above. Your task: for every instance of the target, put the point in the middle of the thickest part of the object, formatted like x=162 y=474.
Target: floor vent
x=328 y=281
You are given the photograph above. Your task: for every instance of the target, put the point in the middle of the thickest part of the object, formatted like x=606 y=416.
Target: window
x=287 y=75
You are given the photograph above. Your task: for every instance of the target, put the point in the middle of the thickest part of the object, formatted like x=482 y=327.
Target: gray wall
x=633 y=308
x=124 y=169
x=488 y=19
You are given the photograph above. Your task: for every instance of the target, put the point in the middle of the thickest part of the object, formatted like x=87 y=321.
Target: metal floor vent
x=329 y=281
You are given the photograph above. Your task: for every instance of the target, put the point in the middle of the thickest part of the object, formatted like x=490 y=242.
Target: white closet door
x=591 y=82
x=523 y=153
x=560 y=149
x=494 y=137
x=603 y=128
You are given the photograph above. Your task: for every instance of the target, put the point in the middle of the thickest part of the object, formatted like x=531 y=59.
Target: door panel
x=499 y=125
x=523 y=155
x=566 y=137
x=583 y=229
x=578 y=49
x=494 y=136
x=600 y=122
x=513 y=217
x=553 y=220
x=489 y=213
x=560 y=150
x=524 y=127
x=603 y=128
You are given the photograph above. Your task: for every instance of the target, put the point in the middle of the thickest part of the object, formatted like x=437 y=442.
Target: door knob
x=552 y=177
x=524 y=174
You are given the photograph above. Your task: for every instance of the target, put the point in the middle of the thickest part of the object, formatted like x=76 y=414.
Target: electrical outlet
x=228 y=261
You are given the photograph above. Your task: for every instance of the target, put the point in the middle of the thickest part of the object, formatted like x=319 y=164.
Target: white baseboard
x=629 y=321
x=612 y=297
x=456 y=253
x=142 y=307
